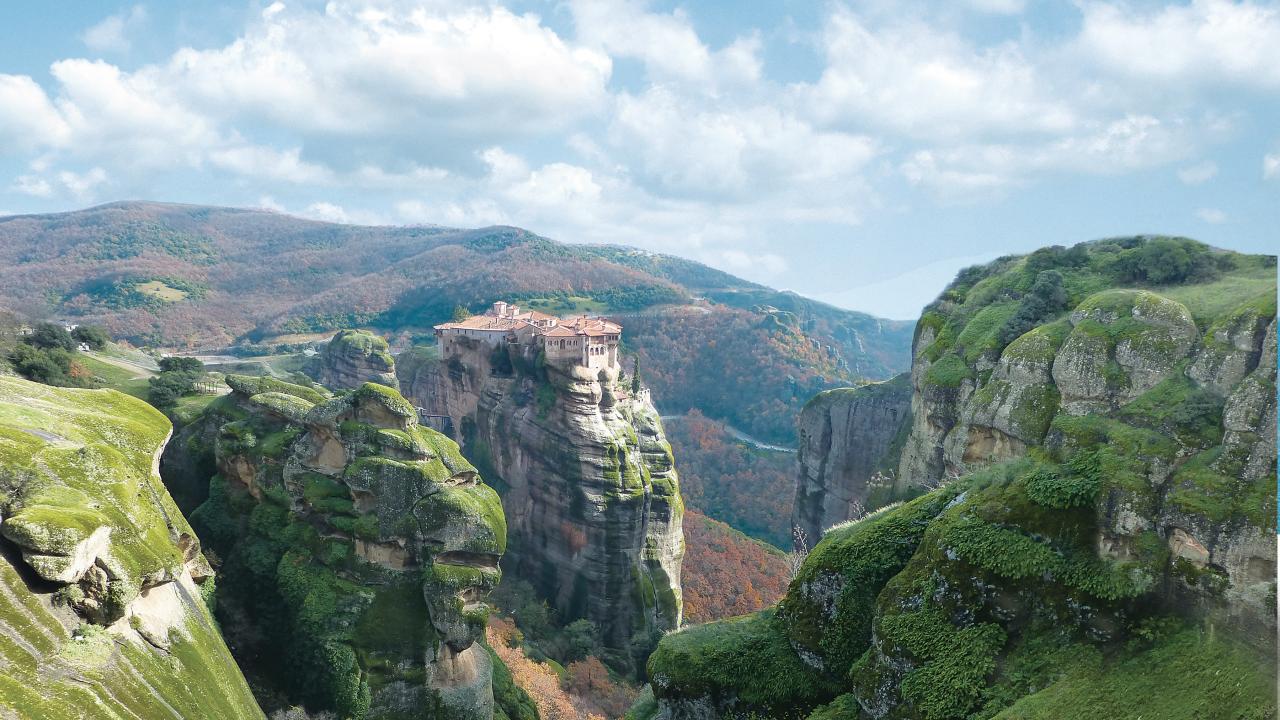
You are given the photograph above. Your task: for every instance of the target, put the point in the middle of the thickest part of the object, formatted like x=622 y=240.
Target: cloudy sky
x=857 y=152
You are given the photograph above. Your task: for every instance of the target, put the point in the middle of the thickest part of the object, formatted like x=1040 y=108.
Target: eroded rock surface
x=103 y=583
x=849 y=445
x=1090 y=458
x=352 y=358
x=359 y=548
x=588 y=481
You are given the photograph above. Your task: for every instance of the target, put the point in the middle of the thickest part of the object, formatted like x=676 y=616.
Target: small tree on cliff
x=460 y=313
x=635 y=376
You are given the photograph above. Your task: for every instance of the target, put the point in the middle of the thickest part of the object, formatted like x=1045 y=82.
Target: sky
x=855 y=152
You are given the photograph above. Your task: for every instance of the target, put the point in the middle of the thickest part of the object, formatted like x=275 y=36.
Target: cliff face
x=352 y=358
x=358 y=548
x=588 y=480
x=849 y=444
x=1094 y=459
x=103 y=584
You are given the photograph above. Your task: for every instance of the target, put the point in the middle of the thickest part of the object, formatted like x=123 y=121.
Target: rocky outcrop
x=1091 y=464
x=352 y=358
x=103 y=584
x=358 y=549
x=588 y=481
x=850 y=440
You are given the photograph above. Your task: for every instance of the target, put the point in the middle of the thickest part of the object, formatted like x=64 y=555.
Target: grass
x=571 y=305
x=1210 y=300
x=157 y=289
x=748 y=657
x=1186 y=677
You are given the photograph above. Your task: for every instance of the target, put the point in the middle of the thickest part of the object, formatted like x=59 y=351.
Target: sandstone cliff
x=358 y=548
x=587 y=478
x=103 y=585
x=352 y=358
x=849 y=445
x=1092 y=444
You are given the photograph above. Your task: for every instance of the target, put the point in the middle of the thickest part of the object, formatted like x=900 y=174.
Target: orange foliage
x=726 y=573
x=589 y=682
x=752 y=491
x=539 y=680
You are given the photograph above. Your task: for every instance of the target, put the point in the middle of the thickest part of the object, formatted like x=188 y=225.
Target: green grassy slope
x=71 y=463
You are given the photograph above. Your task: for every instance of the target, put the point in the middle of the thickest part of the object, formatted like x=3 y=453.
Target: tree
x=178 y=377
x=1046 y=299
x=92 y=335
x=188 y=365
x=635 y=377
x=48 y=335
x=49 y=366
x=460 y=313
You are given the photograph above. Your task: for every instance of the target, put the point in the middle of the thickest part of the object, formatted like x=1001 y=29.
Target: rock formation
x=103 y=585
x=849 y=444
x=1090 y=476
x=352 y=358
x=587 y=478
x=358 y=548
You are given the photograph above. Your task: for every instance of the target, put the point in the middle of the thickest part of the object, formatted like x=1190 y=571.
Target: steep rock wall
x=1096 y=520
x=102 y=581
x=352 y=358
x=358 y=549
x=849 y=442
x=588 y=482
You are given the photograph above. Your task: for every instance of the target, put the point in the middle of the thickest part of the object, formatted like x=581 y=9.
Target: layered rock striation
x=351 y=359
x=850 y=440
x=1090 y=516
x=103 y=584
x=358 y=548
x=587 y=478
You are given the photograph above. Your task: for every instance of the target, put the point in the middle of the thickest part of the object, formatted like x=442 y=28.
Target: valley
x=655 y=491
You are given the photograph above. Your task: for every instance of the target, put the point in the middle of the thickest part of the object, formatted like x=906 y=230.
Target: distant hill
x=193 y=277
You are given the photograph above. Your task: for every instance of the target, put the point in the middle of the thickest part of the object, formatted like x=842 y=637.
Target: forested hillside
x=194 y=277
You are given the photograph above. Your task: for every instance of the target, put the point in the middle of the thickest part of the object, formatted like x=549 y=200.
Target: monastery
x=590 y=342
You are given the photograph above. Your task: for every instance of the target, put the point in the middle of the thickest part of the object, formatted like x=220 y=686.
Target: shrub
x=49 y=336
x=92 y=335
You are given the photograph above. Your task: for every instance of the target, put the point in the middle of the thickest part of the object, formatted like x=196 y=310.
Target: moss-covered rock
x=587 y=478
x=101 y=608
x=1098 y=509
x=352 y=358
x=359 y=547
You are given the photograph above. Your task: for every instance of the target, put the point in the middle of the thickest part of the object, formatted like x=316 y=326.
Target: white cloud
x=132 y=118
x=269 y=163
x=34 y=186
x=112 y=34
x=359 y=71
x=972 y=172
x=327 y=212
x=1206 y=41
x=667 y=44
x=28 y=119
x=682 y=146
x=1271 y=166
x=1198 y=173
x=82 y=185
x=924 y=82
x=754 y=264
x=79 y=186
x=1213 y=216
